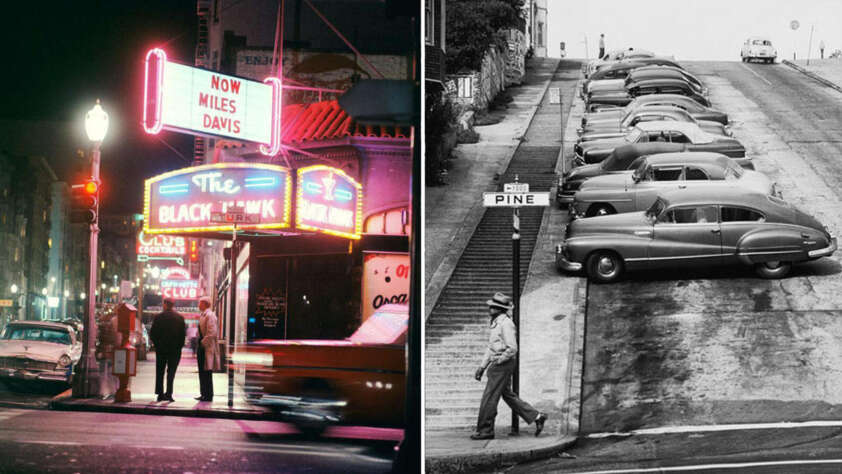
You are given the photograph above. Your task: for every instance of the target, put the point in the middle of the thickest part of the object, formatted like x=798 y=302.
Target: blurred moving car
x=39 y=350
x=696 y=227
x=691 y=134
x=697 y=110
x=636 y=191
x=758 y=48
x=315 y=383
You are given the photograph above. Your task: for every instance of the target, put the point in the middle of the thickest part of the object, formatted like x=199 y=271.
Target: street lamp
x=82 y=295
x=96 y=126
x=14 y=289
x=44 y=291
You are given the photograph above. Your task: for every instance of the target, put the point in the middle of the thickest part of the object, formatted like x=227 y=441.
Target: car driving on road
x=758 y=48
x=696 y=227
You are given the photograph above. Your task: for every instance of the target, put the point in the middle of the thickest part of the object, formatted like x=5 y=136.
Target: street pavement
x=61 y=441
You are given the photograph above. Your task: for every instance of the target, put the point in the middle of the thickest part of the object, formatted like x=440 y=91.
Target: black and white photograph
x=631 y=219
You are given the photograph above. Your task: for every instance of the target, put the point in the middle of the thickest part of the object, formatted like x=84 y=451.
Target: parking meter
x=125 y=356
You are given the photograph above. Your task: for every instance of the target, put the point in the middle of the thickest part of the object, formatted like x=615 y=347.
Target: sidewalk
x=826 y=71
x=552 y=319
x=453 y=211
x=142 y=388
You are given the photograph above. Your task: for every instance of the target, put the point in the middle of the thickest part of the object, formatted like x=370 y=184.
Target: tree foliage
x=473 y=26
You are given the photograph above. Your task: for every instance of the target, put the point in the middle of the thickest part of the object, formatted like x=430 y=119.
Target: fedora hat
x=499 y=300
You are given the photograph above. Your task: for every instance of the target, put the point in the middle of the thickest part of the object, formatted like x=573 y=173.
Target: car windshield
x=656 y=208
x=632 y=136
x=382 y=327
x=42 y=334
x=733 y=172
x=609 y=162
x=762 y=42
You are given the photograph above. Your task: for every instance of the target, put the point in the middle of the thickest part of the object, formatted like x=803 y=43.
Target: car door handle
x=714 y=231
x=682 y=186
x=805 y=236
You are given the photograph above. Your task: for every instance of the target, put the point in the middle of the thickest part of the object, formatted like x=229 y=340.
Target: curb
x=110 y=407
x=812 y=75
x=488 y=461
x=445 y=269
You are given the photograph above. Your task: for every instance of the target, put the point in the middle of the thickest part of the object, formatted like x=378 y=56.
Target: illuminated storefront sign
x=180 y=289
x=385 y=280
x=201 y=102
x=161 y=245
x=183 y=200
x=329 y=201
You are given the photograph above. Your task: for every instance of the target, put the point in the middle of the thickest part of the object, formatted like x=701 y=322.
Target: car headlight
x=64 y=360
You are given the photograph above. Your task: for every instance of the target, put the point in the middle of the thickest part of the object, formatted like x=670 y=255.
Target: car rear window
x=738 y=214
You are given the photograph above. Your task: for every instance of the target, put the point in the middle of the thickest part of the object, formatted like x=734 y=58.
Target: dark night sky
x=61 y=56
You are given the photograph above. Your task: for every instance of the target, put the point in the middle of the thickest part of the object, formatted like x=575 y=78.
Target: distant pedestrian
x=499 y=360
x=601 y=45
x=167 y=333
x=821 y=48
x=207 y=354
x=193 y=337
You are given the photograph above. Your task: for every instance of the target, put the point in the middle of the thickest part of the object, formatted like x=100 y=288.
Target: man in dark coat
x=167 y=333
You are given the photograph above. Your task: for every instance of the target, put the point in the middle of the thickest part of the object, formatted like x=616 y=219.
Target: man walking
x=499 y=360
x=601 y=45
x=207 y=350
x=167 y=333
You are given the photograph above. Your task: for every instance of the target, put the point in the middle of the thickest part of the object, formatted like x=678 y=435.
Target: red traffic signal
x=194 y=251
x=84 y=202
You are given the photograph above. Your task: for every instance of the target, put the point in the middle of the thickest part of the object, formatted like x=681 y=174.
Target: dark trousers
x=166 y=361
x=205 y=376
x=601 y=52
x=499 y=384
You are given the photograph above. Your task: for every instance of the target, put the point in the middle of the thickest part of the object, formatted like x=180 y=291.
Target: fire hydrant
x=125 y=356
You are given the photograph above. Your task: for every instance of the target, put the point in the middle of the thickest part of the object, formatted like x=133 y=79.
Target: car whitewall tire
x=604 y=266
x=773 y=270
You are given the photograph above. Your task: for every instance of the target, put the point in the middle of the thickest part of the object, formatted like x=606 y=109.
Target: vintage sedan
x=645 y=73
x=315 y=383
x=758 y=48
x=40 y=351
x=613 y=128
x=696 y=227
x=697 y=110
x=636 y=191
x=595 y=151
x=666 y=85
x=624 y=159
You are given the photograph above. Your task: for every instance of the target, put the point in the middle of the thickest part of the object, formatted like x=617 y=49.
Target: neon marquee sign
x=183 y=200
x=180 y=289
x=329 y=201
x=201 y=102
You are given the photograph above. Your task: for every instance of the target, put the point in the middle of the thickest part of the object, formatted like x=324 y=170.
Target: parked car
x=39 y=350
x=610 y=128
x=696 y=227
x=595 y=151
x=597 y=101
x=758 y=48
x=314 y=383
x=624 y=159
x=697 y=110
x=636 y=191
x=621 y=68
x=644 y=73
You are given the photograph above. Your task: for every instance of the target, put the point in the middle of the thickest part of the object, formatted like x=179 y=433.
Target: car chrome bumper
x=825 y=251
x=563 y=264
x=47 y=376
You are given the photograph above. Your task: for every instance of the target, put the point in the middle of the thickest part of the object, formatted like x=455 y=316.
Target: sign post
x=515 y=195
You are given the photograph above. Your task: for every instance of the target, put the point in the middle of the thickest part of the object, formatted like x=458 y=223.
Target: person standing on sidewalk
x=499 y=360
x=207 y=354
x=167 y=333
x=601 y=45
x=821 y=48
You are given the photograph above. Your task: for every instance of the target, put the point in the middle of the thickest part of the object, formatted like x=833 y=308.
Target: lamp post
x=96 y=126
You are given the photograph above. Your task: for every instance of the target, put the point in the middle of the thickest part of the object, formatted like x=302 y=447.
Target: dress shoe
x=201 y=399
x=161 y=398
x=539 y=423
x=478 y=436
x=169 y=398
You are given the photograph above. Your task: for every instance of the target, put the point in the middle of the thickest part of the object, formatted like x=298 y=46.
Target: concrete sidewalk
x=453 y=211
x=552 y=319
x=142 y=388
x=825 y=71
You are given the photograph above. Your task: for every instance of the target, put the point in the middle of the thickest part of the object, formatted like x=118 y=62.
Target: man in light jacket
x=207 y=353
x=500 y=361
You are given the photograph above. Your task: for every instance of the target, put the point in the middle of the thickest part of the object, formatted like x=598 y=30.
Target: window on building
x=430 y=22
x=464 y=86
x=540 y=33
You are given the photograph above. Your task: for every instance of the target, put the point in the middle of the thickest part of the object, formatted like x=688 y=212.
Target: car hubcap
x=606 y=266
x=602 y=211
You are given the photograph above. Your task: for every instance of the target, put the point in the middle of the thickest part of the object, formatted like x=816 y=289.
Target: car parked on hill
x=595 y=151
x=665 y=85
x=39 y=350
x=636 y=191
x=696 y=228
x=697 y=110
x=645 y=73
x=758 y=48
x=613 y=128
x=624 y=159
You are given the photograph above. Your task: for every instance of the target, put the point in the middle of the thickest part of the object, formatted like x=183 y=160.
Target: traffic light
x=84 y=202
